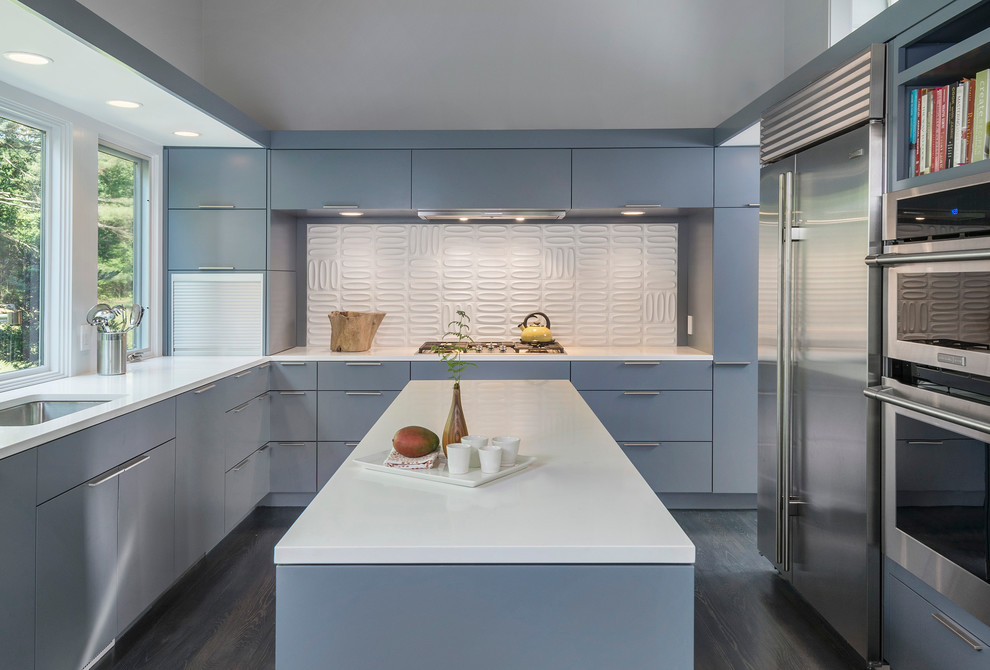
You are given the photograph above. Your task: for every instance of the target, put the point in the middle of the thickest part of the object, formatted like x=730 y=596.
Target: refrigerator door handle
x=785 y=208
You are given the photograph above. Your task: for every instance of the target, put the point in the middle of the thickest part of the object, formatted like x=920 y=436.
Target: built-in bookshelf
x=934 y=70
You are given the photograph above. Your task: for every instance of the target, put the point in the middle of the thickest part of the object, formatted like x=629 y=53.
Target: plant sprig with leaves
x=450 y=352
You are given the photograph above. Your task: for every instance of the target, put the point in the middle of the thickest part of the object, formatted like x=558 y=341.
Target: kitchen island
x=573 y=563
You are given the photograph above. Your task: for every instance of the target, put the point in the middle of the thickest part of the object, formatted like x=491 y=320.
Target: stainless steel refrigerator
x=819 y=325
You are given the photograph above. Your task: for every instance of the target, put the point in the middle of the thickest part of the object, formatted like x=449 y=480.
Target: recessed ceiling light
x=185 y=133
x=352 y=213
x=124 y=104
x=27 y=58
x=632 y=212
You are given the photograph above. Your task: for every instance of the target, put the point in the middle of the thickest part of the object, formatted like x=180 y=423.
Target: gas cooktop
x=494 y=347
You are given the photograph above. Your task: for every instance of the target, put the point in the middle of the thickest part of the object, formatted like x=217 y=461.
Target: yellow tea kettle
x=536 y=333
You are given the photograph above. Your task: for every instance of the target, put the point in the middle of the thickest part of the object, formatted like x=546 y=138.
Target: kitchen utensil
x=137 y=314
x=98 y=315
x=536 y=333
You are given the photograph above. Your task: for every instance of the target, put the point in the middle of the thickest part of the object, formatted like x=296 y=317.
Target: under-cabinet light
x=352 y=213
x=124 y=104
x=185 y=133
x=632 y=212
x=27 y=58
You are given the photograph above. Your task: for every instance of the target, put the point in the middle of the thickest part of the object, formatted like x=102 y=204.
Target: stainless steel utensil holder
x=111 y=354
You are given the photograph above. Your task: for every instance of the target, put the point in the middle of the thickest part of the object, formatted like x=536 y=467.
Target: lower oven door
x=936 y=509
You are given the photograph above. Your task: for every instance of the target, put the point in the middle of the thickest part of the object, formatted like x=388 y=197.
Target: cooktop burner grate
x=498 y=347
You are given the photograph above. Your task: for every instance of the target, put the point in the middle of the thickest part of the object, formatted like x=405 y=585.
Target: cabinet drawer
x=246 y=385
x=496 y=370
x=615 y=178
x=217 y=177
x=245 y=485
x=641 y=375
x=920 y=636
x=75 y=458
x=363 y=376
x=673 y=467
x=631 y=416
x=223 y=239
x=317 y=179
x=348 y=415
x=293 y=467
x=247 y=429
x=293 y=376
x=491 y=179
x=330 y=456
x=293 y=416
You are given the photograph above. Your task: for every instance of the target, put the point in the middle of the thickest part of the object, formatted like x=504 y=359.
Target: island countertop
x=580 y=502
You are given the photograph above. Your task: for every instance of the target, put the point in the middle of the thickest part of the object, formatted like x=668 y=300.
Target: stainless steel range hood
x=492 y=215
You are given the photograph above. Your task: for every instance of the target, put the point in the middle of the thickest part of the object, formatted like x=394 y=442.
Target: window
x=122 y=273
x=23 y=173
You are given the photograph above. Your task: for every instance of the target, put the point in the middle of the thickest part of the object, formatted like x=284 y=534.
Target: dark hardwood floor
x=221 y=614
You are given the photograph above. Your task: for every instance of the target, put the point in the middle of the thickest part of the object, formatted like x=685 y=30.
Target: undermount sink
x=35 y=411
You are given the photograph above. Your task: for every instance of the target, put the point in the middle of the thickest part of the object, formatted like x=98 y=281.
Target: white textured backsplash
x=600 y=283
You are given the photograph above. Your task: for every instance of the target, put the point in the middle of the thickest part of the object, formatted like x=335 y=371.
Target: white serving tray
x=474 y=477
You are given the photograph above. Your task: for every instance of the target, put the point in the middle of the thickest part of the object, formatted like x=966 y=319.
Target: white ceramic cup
x=491 y=459
x=459 y=458
x=476 y=441
x=509 y=447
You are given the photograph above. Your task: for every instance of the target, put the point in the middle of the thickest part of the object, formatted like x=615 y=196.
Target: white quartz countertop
x=582 y=501
x=145 y=383
x=573 y=353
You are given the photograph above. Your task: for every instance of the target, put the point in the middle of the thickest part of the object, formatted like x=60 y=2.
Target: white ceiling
x=83 y=79
x=468 y=65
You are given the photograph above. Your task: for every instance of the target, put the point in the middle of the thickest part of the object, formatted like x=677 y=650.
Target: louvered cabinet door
x=217 y=313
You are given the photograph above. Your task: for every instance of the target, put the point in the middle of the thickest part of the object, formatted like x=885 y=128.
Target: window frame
x=56 y=236
x=145 y=267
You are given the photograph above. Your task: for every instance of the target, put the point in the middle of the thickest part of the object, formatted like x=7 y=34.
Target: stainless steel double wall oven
x=936 y=389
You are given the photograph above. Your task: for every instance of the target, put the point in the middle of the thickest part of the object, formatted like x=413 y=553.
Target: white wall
x=86 y=134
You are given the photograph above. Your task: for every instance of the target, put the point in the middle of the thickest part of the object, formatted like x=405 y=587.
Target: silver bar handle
x=216 y=267
x=933 y=257
x=243 y=374
x=143 y=459
x=641 y=393
x=340 y=206
x=263 y=366
x=292 y=393
x=364 y=364
x=656 y=204
x=362 y=392
x=291 y=444
x=961 y=633
x=350 y=444
x=217 y=206
x=731 y=362
x=240 y=408
x=888 y=395
x=640 y=444
x=752 y=204
x=785 y=209
x=641 y=362
x=204 y=389
x=105 y=478
x=926 y=443
x=291 y=363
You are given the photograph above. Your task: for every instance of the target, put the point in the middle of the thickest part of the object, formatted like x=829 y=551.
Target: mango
x=415 y=441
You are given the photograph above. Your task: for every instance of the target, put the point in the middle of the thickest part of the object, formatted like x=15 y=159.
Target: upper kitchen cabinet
x=333 y=179
x=737 y=177
x=617 y=178
x=217 y=178
x=445 y=179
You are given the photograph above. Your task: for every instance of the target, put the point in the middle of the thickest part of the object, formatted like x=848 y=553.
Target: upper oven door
x=938 y=314
x=935 y=454
x=940 y=215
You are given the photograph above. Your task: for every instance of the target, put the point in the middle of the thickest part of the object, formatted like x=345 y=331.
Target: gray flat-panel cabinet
x=675 y=416
x=737 y=176
x=225 y=239
x=145 y=533
x=734 y=416
x=245 y=485
x=641 y=375
x=348 y=415
x=247 y=429
x=434 y=369
x=293 y=416
x=76 y=575
x=316 y=179
x=363 y=376
x=491 y=179
x=293 y=467
x=612 y=178
x=293 y=376
x=217 y=178
x=18 y=484
x=330 y=456
x=200 y=463
x=672 y=467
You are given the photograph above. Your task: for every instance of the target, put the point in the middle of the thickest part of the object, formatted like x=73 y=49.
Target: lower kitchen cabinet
x=679 y=416
x=734 y=428
x=496 y=370
x=77 y=561
x=145 y=533
x=245 y=485
x=293 y=416
x=347 y=415
x=673 y=467
x=293 y=467
x=248 y=429
x=18 y=492
x=330 y=456
x=920 y=635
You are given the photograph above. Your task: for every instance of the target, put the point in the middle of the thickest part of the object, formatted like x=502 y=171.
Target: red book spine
x=940 y=131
